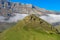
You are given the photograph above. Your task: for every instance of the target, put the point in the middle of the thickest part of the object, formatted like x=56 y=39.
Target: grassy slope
x=27 y=31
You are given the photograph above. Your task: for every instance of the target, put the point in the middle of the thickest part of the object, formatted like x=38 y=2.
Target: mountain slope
x=30 y=28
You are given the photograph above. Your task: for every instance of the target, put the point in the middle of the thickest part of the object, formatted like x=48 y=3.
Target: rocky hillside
x=8 y=8
x=30 y=28
x=12 y=12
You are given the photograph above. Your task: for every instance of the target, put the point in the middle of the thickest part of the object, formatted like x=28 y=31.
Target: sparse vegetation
x=4 y=26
